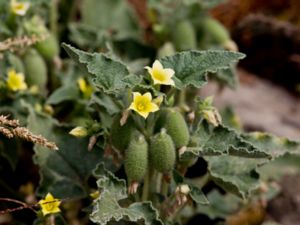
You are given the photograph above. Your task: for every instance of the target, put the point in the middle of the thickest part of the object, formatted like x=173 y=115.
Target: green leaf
x=235 y=174
x=221 y=206
x=273 y=145
x=109 y=75
x=195 y=193
x=64 y=93
x=221 y=140
x=191 y=67
x=107 y=207
x=227 y=77
x=64 y=173
x=115 y=16
x=198 y=196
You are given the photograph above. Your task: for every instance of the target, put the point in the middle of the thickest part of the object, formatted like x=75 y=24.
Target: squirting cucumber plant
x=124 y=114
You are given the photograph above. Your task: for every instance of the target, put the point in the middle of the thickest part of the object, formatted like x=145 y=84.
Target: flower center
x=49 y=206
x=141 y=106
x=19 y=6
x=159 y=75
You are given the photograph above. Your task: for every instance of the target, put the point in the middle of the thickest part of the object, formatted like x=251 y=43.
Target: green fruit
x=121 y=135
x=136 y=158
x=166 y=50
x=162 y=152
x=35 y=69
x=215 y=31
x=48 y=48
x=161 y=120
x=184 y=36
x=16 y=63
x=177 y=128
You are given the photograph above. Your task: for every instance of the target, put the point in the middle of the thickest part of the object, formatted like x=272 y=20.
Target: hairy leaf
x=221 y=206
x=64 y=172
x=64 y=93
x=107 y=207
x=271 y=144
x=191 y=67
x=221 y=140
x=109 y=75
x=234 y=174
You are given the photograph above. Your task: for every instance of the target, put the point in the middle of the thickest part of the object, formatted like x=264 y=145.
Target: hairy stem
x=145 y=194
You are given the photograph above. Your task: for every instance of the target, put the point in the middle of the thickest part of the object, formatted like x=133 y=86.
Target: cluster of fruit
x=159 y=151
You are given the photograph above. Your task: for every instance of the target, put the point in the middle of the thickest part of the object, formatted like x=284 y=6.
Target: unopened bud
x=79 y=132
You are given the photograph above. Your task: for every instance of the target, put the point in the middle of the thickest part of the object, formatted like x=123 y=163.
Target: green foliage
x=234 y=174
x=64 y=172
x=191 y=67
x=110 y=76
x=116 y=16
x=107 y=208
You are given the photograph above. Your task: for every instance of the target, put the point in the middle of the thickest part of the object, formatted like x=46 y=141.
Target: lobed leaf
x=273 y=145
x=107 y=207
x=222 y=140
x=191 y=67
x=109 y=75
x=64 y=173
x=234 y=174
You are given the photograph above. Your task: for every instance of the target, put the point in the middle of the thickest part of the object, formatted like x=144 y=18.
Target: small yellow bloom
x=158 y=100
x=49 y=205
x=143 y=104
x=79 y=132
x=19 y=8
x=161 y=75
x=16 y=81
x=85 y=88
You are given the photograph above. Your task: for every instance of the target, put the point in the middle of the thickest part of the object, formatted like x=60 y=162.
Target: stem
x=145 y=194
x=164 y=187
x=23 y=206
x=53 y=17
x=181 y=98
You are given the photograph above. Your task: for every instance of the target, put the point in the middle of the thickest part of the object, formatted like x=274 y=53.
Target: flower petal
x=169 y=72
x=143 y=114
x=148 y=96
x=157 y=65
x=153 y=107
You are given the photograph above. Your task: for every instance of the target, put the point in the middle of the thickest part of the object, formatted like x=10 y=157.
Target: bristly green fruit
x=216 y=31
x=161 y=120
x=136 y=158
x=120 y=136
x=35 y=69
x=162 y=152
x=177 y=128
x=167 y=49
x=184 y=36
x=48 y=48
x=16 y=63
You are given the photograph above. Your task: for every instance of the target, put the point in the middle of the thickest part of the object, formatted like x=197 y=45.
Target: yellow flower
x=79 y=132
x=19 y=8
x=15 y=81
x=161 y=75
x=143 y=104
x=86 y=89
x=50 y=204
